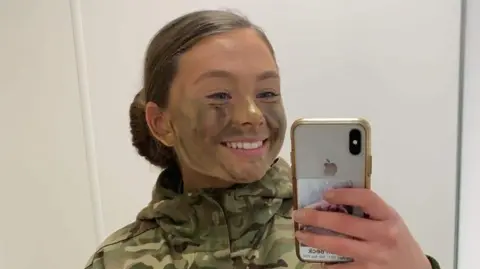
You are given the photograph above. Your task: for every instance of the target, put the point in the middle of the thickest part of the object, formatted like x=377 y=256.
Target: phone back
x=326 y=154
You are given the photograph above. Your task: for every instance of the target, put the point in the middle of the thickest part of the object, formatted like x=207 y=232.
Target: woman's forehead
x=236 y=52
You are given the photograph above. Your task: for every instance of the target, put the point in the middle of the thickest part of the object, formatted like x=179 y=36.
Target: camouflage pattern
x=249 y=226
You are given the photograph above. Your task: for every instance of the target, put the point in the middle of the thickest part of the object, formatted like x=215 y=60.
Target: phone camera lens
x=354 y=141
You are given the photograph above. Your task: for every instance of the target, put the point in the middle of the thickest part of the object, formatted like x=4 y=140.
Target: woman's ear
x=158 y=121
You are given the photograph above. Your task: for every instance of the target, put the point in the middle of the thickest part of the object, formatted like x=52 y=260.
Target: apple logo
x=330 y=169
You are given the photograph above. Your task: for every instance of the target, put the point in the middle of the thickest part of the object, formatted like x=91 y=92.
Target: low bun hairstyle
x=161 y=61
x=147 y=146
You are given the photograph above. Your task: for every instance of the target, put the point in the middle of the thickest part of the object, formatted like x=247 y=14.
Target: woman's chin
x=249 y=174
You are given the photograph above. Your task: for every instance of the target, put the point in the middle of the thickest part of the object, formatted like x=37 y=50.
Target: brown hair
x=160 y=68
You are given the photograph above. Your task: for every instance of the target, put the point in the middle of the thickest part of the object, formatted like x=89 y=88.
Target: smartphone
x=328 y=154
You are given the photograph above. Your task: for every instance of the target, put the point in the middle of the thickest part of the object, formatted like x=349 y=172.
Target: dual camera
x=355 y=142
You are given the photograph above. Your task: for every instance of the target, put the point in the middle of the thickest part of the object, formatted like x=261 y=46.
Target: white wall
x=44 y=188
x=469 y=232
x=71 y=150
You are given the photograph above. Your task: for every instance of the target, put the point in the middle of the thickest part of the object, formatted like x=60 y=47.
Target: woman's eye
x=267 y=94
x=220 y=96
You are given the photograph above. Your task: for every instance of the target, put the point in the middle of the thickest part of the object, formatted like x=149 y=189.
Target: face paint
x=226 y=111
x=205 y=135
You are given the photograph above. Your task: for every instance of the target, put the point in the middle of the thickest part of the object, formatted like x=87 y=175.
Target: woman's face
x=225 y=110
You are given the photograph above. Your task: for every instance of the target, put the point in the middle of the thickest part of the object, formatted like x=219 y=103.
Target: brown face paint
x=233 y=63
x=201 y=128
x=276 y=120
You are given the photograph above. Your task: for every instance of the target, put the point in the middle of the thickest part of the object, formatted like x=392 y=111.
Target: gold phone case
x=321 y=157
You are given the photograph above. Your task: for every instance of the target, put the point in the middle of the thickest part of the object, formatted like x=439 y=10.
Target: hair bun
x=147 y=146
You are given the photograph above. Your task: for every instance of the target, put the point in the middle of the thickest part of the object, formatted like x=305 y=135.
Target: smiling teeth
x=244 y=145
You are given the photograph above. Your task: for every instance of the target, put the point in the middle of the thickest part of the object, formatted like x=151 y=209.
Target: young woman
x=211 y=115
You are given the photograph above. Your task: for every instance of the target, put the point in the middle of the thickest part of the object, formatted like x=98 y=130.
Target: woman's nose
x=248 y=113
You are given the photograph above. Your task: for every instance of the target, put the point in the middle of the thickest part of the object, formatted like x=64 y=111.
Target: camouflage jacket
x=247 y=226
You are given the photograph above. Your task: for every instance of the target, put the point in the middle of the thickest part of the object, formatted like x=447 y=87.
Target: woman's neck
x=193 y=180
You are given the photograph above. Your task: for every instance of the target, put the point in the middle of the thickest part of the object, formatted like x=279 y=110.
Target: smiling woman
x=211 y=115
x=225 y=89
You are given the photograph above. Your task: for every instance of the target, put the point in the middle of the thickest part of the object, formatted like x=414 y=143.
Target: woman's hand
x=385 y=241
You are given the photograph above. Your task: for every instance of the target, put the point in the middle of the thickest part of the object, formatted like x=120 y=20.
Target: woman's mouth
x=249 y=148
